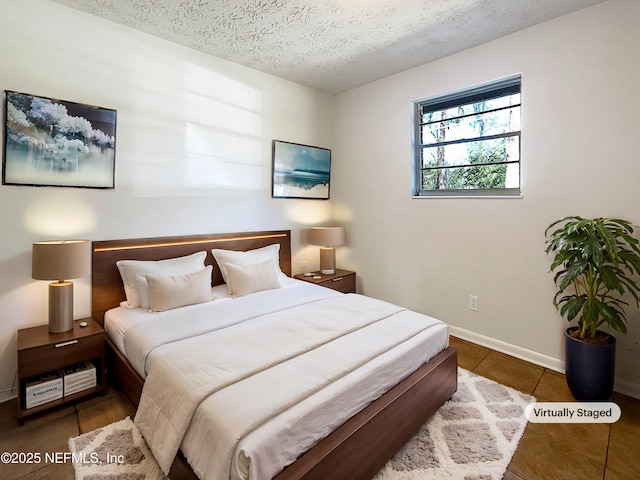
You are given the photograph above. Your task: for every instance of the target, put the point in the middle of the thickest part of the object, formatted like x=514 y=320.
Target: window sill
x=468 y=197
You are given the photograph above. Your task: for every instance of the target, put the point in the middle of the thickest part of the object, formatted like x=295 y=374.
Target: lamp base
x=327 y=260
x=60 y=307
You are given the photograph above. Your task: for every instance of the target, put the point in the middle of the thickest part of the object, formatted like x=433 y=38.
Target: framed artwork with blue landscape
x=300 y=171
x=51 y=142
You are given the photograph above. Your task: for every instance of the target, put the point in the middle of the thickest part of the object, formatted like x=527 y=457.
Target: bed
x=355 y=447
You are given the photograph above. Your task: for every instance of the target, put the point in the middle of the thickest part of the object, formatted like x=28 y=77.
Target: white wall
x=193 y=148
x=580 y=156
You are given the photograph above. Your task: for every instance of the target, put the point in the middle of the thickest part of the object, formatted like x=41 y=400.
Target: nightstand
x=40 y=352
x=343 y=280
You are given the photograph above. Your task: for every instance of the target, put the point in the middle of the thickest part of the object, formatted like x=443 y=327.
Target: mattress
x=120 y=319
x=263 y=451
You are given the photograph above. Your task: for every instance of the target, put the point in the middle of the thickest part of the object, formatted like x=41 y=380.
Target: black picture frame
x=57 y=143
x=300 y=171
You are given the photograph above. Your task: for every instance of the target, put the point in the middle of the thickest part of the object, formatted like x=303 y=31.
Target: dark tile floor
x=560 y=451
x=546 y=451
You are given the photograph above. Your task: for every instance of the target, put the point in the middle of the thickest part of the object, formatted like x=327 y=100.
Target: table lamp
x=327 y=237
x=60 y=260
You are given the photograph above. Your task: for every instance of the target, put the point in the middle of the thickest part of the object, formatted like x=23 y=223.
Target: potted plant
x=596 y=261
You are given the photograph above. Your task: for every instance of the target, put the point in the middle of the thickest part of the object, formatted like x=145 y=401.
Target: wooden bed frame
x=355 y=450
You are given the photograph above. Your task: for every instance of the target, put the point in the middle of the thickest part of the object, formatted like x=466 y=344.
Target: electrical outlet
x=473 y=303
x=304 y=265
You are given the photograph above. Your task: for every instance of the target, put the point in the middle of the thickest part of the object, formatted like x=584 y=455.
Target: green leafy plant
x=596 y=261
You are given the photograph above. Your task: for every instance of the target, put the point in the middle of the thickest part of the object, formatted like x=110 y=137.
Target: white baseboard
x=627 y=388
x=504 y=347
x=621 y=386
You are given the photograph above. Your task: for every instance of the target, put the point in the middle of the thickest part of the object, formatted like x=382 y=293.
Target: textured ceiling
x=330 y=45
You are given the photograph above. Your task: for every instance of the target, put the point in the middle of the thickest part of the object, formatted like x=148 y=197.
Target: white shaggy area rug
x=115 y=452
x=471 y=437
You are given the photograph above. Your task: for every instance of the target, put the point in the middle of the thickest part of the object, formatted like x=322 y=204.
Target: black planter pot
x=590 y=369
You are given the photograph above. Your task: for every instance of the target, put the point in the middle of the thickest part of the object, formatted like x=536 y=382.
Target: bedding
x=256 y=277
x=167 y=292
x=138 y=332
x=133 y=275
x=119 y=319
x=250 y=258
x=307 y=400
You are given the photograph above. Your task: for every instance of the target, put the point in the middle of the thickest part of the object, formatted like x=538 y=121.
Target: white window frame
x=495 y=89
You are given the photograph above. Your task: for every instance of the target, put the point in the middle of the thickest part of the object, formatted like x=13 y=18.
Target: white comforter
x=262 y=367
x=153 y=334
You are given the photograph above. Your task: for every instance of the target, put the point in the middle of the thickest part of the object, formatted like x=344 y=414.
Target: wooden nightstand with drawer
x=40 y=352
x=343 y=280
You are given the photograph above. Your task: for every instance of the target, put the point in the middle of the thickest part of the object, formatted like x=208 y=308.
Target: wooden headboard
x=107 y=290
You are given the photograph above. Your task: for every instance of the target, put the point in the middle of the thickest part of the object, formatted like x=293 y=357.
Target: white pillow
x=135 y=287
x=172 y=291
x=245 y=279
x=250 y=257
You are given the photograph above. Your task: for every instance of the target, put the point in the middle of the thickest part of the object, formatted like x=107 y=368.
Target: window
x=467 y=143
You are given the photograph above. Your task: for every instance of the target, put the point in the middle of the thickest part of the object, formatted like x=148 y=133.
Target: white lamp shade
x=61 y=259
x=327 y=236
